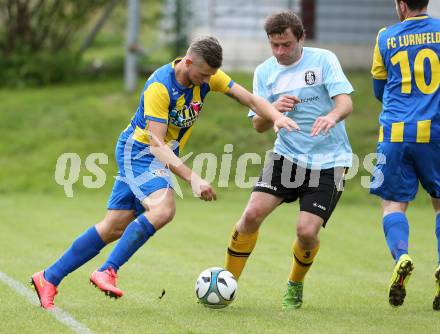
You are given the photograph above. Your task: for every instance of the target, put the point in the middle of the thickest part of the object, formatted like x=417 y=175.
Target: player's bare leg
x=436 y=301
x=305 y=248
x=396 y=231
x=114 y=223
x=260 y=205
x=245 y=231
x=391 y=207
x=161 y=209
x=108 y=230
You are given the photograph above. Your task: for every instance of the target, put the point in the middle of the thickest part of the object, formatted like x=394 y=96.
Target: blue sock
x=437 y=233
x=84 y=248
x=135 y=235
x=396 y=229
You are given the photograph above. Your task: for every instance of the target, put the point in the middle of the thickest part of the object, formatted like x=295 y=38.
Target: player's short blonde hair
x=209 y=49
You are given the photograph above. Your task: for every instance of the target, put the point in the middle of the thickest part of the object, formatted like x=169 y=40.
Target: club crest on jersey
x=186 y=116
x=310 y=77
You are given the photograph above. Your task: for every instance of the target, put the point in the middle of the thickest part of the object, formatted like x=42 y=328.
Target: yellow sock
x=240 y=247
x=302 y=261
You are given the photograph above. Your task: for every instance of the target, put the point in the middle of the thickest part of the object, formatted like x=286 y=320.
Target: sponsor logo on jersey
x=186 y=116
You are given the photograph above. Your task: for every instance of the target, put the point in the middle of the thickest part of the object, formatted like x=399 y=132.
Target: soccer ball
x=216 y=287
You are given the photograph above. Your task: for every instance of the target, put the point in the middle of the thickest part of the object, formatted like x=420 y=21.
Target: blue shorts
x=397 y=178
x=139 y=175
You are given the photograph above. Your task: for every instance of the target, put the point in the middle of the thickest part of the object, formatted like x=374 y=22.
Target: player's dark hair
x=279 y=22
x=208 y=48
x=415 y=4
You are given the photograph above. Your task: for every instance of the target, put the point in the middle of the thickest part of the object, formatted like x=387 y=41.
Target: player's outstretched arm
x=343 y=107
x=262 y=108
x=157 y=132
x=261 y=124
x=285 y=103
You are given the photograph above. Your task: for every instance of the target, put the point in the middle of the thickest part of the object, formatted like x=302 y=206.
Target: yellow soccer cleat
x=436 y=302
x=399 y=279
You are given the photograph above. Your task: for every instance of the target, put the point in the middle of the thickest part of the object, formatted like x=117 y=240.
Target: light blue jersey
x=314 y=79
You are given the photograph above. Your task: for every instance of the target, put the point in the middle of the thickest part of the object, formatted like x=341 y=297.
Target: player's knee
x=110 y=232
x=252 y=215
x=113 y=225
x=306 y=233
x=168 y=214
x=115 y=233
x=163 y=216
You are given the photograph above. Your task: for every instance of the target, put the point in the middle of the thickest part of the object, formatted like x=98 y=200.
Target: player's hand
x=323 y=124
x=203 y=189
x=284 y=122
x=286 y=103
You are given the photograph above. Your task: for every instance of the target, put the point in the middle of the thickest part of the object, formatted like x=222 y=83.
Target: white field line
x=58 y=313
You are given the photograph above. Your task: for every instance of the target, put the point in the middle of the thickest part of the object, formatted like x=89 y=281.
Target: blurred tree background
x=51 y=41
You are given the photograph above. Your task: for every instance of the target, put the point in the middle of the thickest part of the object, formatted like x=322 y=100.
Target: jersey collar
x=417 y=17
x=177 y=83
x=293 y=64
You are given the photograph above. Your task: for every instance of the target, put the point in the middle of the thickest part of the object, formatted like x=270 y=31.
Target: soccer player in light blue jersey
x=147 y=152
x=309 y=164
x=406 y=76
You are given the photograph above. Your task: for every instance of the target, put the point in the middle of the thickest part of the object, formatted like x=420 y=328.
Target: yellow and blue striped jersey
x=406 y=55
x=167 y=101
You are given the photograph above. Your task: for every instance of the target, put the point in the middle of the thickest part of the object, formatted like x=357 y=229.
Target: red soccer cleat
x=106 y=282
x=46 y=291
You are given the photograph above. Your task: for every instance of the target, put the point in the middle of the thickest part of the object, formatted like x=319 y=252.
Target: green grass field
x=345 y=291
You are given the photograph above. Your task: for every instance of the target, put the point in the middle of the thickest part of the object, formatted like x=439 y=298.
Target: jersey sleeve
x=156 y=103
x=378 y=69
x=378 y=88
x=220 y=82
x=259 y=88
x=334 y=78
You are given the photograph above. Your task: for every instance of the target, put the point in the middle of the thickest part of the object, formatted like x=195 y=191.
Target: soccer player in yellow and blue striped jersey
x=406 y=75
x=147 y=152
